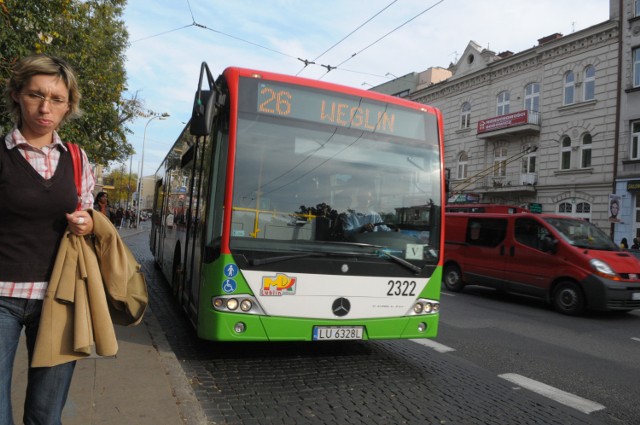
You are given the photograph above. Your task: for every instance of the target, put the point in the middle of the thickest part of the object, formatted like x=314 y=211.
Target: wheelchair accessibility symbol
x=229 y=286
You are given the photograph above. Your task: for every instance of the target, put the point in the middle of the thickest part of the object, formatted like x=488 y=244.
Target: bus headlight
x=232 y=304
x=237 y=304
x=245 y=305
x=424 y=306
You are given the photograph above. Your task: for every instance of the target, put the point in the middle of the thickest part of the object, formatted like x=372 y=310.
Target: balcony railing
x=509 y=182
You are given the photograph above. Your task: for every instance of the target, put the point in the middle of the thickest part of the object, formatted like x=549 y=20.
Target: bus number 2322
x=401 y=288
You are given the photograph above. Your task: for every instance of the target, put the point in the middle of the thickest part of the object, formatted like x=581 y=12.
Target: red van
x=567 y=261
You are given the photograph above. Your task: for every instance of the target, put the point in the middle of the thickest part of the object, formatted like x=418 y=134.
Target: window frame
x=532 y=97
x=635 y=56
x=565 y=153
x=586 y=146
x=569 y=88
x=465 y=116
x=589 y=84
x=634 y=141
x=462 y=167
x=503 y=101
x=500 y=156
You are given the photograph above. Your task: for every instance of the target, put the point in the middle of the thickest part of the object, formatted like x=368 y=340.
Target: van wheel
x=568 y=299
x=453 y=278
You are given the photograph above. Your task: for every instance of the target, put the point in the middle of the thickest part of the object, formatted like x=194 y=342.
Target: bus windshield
x=350 y=185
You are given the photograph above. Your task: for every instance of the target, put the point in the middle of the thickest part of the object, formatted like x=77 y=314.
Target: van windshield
x=582 y=234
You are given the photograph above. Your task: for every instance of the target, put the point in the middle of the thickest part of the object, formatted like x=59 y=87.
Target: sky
x=370 y=42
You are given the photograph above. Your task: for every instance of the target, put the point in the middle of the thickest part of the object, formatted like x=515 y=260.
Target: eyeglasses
x=37 y=99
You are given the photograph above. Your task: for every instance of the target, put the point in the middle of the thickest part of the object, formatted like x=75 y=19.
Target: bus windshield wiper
x=402 y=261
x=269 y=260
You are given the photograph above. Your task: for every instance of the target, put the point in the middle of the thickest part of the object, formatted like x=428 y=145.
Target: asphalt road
x=595 y=356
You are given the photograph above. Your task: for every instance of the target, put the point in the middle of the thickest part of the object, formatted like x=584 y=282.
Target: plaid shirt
x=45 y=162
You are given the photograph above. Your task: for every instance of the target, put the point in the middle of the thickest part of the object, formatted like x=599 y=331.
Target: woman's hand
x=80 y=223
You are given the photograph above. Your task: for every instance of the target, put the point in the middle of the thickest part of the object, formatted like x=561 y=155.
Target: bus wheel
x=453 y=278
x=568 y=299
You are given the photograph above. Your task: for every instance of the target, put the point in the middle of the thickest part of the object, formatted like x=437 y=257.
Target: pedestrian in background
x=636 y=244
x=101 y=204
x=38 y=199
x=624 y=244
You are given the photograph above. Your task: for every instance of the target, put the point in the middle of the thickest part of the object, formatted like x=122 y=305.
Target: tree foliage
x=92 y=37
x=124 y=186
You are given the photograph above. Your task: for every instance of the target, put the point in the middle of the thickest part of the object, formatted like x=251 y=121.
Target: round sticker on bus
x=229 y=286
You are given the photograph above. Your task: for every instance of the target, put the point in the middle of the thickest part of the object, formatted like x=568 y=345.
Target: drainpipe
x=618 y=97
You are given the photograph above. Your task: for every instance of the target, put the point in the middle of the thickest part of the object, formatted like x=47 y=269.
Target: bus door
x=484 y=260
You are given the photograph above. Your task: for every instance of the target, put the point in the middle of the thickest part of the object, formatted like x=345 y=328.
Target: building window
x=529 y=164
x=565 y=208
x=569 y=88
x=565 y=153
x=637 y=8
x=585 y=151
x=503 y=103
x=589 y=83
x=532 y=97
x=582 y=209
x=635 y=140
x=465 y=115
x=463 y=162
x=500 y=162
x=636 y=67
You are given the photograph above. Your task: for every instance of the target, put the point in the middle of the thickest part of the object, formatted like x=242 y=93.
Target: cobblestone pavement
x=388 y=382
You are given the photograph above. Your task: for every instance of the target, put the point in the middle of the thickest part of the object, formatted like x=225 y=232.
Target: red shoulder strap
x=76 y=158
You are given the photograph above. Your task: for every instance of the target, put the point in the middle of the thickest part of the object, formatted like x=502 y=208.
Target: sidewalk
x=143 y=385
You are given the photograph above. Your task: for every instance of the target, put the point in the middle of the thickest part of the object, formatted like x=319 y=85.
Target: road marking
x=447 y=294
x=440 y=348
x=635 y=339
x=568 y=399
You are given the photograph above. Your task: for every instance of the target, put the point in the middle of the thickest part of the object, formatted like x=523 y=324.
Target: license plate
x=635 y=296
x=331 y=333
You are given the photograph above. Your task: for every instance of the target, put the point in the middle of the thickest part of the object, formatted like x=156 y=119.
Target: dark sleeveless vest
x=32 y=215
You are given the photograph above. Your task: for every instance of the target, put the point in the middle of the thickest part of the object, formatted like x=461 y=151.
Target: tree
x=92 y=37
x=124 y=185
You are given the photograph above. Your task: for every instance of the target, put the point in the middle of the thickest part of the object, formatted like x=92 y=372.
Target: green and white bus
x=251 y=205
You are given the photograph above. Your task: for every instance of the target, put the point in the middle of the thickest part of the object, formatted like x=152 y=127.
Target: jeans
x=47 y=387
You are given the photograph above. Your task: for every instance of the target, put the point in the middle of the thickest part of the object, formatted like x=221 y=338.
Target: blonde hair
x=40 y=64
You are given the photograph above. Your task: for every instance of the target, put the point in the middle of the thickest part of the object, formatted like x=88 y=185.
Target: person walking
x=38 y=200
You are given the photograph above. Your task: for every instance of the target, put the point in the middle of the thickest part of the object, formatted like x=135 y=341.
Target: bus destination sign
x=345 y=111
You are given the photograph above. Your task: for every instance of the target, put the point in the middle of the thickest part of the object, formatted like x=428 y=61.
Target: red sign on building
x=503 y=121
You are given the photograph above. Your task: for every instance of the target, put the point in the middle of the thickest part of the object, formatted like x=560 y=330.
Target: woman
x=38 y=199
x=101 y=204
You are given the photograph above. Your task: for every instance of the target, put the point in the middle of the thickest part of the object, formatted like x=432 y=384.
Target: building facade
x=536 y=128
x=628 y=162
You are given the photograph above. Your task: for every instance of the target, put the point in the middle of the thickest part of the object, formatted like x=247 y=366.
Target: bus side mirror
x=204 y=109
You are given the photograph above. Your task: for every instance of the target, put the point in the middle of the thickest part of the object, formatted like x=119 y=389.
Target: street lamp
x=162 y=116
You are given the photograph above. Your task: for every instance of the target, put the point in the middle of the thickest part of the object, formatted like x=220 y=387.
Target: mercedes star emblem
x=341 y=307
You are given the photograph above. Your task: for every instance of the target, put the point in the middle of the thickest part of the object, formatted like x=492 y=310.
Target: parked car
x=567 y=261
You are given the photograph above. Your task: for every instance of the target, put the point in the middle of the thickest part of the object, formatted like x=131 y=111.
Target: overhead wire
x=307 y=63
x=383 y=37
